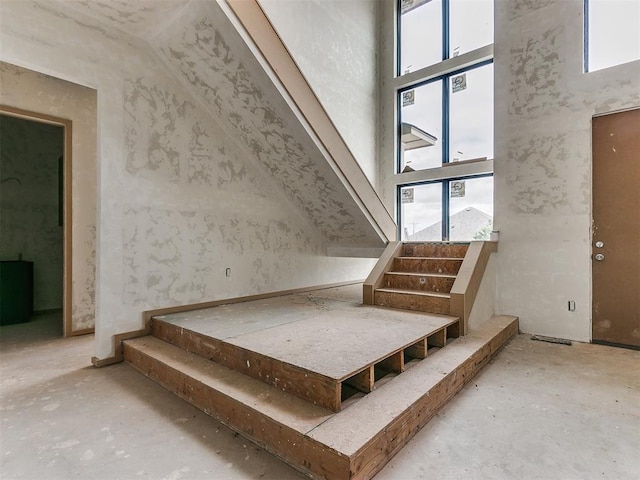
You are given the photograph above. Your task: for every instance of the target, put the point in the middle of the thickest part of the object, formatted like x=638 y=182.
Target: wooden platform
x=323 y=353
x=332 y=387
x=354 y=443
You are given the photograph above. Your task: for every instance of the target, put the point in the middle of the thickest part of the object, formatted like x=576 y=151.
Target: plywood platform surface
x=332 y=337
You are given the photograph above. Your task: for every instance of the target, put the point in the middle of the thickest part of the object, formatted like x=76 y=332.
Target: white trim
x=450 y=170
x=444 y=67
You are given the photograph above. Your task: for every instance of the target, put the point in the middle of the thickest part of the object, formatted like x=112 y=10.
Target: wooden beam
x=437 y=339
x=393 y=363
x=362 y=381
x=417 y=350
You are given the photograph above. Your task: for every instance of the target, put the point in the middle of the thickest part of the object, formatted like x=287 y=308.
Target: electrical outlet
x=572 y=306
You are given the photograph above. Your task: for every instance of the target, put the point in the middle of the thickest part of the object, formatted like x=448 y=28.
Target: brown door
x=616 y=229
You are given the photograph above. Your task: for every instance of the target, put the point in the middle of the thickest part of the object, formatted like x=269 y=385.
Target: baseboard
x=149 y=314
x=617 y=345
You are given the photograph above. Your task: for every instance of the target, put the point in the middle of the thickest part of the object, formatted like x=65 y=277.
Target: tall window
x=434 y=30
x=612 y=33
x=445 y=116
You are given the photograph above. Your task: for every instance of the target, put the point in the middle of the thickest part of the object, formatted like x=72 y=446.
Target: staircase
x=330 y=387
x=435 y=277
x=422 y=277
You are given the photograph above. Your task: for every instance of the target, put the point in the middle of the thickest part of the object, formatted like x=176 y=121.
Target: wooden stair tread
x=430 y=258
x=285 y=408
x=414 y=292
x=418 y=274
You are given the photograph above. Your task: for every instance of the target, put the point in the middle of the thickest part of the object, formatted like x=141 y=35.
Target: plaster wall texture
x=40 y=93
x=544 y=106
x=29 y=226
x=213 y=62
x=334 y=44
x=180 y=199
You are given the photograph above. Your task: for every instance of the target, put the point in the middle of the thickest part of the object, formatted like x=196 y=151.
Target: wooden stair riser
x=426 y=265
x=420 y=283
x=292 y=446
x=310 y=386
x=405 y=301
x=450 y=250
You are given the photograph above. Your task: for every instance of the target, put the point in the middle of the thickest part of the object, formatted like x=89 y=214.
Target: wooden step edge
x=431 y=258
x=414 y=292
x=417 y=274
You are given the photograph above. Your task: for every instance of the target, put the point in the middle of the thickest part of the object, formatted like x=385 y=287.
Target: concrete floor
x=538 y=411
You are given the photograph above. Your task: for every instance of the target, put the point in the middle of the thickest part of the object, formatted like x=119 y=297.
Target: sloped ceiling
x=204 y=51
x=139 y=18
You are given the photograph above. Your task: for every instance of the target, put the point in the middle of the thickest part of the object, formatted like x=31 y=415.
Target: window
x=434 y=30
x=448 y=119
x=611 y=33
x=445 y=116
x=421 y=212
x=470 y=209
x=456 y=209
x=421 y=127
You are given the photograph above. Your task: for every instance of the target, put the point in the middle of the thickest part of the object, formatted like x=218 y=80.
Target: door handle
x=599 y=257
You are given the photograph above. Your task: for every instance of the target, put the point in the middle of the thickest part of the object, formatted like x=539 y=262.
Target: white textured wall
x=334 y=42
x=39 y=93
x=544 y=106
x=205 y=52
x=179 y=199
x=29 y=222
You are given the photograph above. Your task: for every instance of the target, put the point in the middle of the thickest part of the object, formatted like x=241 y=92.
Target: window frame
x=585 y=38
x=445 y=109
x=444 y=70
x=445 y=196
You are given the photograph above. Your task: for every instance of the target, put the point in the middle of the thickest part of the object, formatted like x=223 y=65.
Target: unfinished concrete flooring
x=537 y=411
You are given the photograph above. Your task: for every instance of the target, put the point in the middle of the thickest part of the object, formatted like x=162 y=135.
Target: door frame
x=67 y=283
x=591 y=340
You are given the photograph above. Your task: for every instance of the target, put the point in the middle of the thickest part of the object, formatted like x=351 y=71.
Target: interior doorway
x=35 y=219
x=616 y=229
